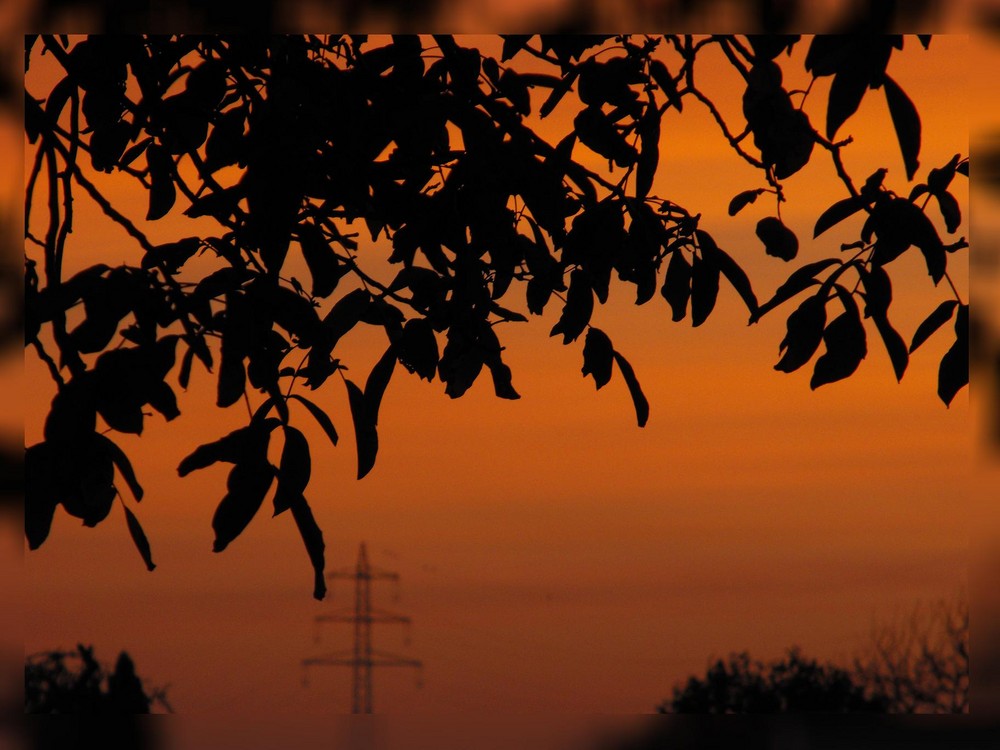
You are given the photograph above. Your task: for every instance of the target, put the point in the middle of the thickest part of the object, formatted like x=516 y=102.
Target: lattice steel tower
x=364 y=657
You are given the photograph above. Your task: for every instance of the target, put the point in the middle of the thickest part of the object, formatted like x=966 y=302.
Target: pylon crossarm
x=342 y=573
x=383 y=659
x=380 y=615
x=383 y=574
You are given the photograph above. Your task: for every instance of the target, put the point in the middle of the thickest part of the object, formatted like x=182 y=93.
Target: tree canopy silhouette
x=918 y=665
x=794 y=684
x=310 y=149
x=74 y=682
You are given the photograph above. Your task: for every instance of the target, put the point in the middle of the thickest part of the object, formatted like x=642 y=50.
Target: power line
x=363 y=657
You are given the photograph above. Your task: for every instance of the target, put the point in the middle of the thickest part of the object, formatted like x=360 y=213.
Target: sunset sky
x=554 y=557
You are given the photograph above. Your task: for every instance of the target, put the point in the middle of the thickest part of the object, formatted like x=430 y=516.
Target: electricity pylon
x=364 y=657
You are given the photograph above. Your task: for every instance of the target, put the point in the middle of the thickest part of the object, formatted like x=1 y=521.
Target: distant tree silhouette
x=913 y=666
x=921 y=663
x=793 y=684
x=74 y=682
x=313 y=148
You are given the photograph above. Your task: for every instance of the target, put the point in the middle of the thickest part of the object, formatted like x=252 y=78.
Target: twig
x=47 y=359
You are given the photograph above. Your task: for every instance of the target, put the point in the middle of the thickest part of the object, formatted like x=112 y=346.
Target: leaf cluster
x=312 y=153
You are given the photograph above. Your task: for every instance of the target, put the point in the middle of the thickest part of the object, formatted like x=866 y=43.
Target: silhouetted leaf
x=666 y=83
x=878 y=297
x=846 y=345
x=779 y=241
x=245 y=444
x=597 y=133
x=676 y=288
x=58 y=96
x=312 y=537
x=492 y=70
x=949 y=210
x=319 y=415
x=514 y=88
x=289 y=310
x=220 y=204
x=894 y=345
x=800 y=280
x=73 y=413
x=899 y=224
x=377 y=381
x=172 y=255
x=512 y=44
x=503 y=386
x=803 y=335
x=162 y=193
x=577 y=310
x=184 y=375
x=365 y=432
x=85 y=481
x=206 y=84
x=649 y=155
x=907 y=123
x=836 y=214
x=346 y=314
x=508 y=316
x=846 y=92
x=597 y=357
x=941 y=315
x=558 y=92
x=538 y=293
x=293 y=471
x=324 y=267
x=133 y=153
x=953 y=373
x=418 y=349
x=40 y=500
x=638 y=397
x=139 y=538
x=247 y=485
x=878 y=290
x=162 y=398
x=704 y=288
x=232 y=377
x=781 y=132
x=729 y=268
x=225 y=145
x=939 y=178
x=606 y=81
x=124 y=466
x=744 y=199
x=462 y=360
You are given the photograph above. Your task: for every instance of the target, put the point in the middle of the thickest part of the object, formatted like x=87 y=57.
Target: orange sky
x=572 y=562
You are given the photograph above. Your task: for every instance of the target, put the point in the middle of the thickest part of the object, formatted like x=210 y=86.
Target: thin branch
x=112 y=213
x=30 y=190
x=953 y=288
x=838 y=162
x=47 y=359
x=734 y=141
x=724 y=43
